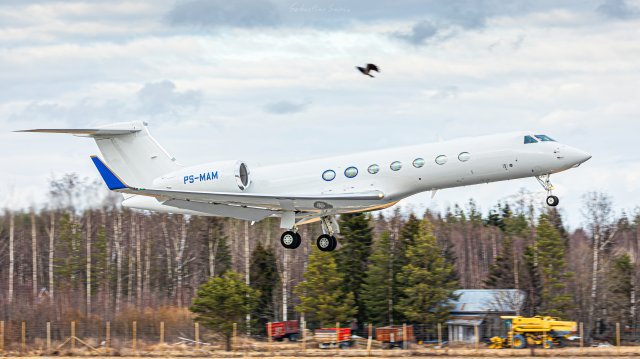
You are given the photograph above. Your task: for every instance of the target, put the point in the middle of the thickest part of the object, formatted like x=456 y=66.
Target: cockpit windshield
x=544 y=138
x=529 y=139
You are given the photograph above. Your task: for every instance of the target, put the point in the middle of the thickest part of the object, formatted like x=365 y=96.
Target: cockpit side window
x=544 y=138
x=529 y=139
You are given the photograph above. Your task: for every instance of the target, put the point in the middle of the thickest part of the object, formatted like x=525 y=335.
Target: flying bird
x=368 y=69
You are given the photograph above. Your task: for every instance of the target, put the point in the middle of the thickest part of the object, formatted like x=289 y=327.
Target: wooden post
x=161 y=332
x=134 y=333
x=269 y=335
x=197 y=335
x=235 y=336
x=24 y=336
x=477 y=335
x=107 y=341
x=337 y=337
x=304 y=335
x=439 y=336
x=618 y=336
x=405 y=344
x=369 y=339
x=73 y=335
x=581 y=336
x=2 y=335
x=48 y=337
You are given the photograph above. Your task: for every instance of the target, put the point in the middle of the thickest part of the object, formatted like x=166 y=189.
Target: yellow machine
x=547 y=332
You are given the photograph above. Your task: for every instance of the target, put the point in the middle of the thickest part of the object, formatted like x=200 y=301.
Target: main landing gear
x=326 y=242
x=545 y=182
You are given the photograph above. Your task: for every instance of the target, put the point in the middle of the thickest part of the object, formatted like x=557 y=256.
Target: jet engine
x=223 y=176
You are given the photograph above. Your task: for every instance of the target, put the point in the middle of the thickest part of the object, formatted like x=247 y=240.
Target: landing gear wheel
x=553 y=201
x=290 y=240
x=326 y=243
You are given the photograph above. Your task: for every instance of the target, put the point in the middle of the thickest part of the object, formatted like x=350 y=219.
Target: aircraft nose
x=575 y=156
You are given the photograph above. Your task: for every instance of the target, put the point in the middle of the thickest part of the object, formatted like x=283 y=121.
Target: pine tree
x=550 y=269
x=264 y=277
x=378 y=290
x=353 y=256
x=501 y=273
x=427 y=288
x=322 y=298
x=621 y=278
x=223 y=301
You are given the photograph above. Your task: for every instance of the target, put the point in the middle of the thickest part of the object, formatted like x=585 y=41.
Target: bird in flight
x=368 y=69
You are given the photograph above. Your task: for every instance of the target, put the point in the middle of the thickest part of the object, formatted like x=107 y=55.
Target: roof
x=488 y=301
x=464 y=322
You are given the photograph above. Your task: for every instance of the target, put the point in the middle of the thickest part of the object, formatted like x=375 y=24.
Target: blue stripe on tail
x=110 y=178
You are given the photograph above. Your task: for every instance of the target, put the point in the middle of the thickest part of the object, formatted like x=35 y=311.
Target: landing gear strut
x=327 y=241
x=545 y=182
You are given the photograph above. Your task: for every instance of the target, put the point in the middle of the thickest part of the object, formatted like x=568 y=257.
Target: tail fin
x=129 y=150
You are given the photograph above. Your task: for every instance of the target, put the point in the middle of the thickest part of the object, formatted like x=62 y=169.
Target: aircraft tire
x=334 y=243
x=290 y=240
x=552 y=201
x=325 y=243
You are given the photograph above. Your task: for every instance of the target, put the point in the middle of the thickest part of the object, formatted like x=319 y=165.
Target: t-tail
x=129 y=151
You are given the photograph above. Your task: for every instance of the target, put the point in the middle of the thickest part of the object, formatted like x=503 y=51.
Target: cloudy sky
x=274 y=81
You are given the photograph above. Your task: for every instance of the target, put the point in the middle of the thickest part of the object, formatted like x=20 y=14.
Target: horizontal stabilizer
x=111 y=179
x=84 y=131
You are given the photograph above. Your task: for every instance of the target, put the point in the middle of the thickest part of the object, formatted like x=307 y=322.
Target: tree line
x=73 y=259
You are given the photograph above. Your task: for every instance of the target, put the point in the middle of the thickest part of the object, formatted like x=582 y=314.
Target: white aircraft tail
x=129 y=150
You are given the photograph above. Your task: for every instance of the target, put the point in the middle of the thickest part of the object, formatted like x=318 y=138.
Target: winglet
x=111 y=179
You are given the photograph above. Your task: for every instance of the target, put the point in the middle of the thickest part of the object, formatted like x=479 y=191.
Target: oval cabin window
x=418 y=162
x=442 y=159
x=328 y=175
x=396 y=166
x=373 y=169
x=464 y=156
x=351 y=172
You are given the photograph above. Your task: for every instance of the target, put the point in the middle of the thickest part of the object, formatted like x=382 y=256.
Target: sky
x=274 y=81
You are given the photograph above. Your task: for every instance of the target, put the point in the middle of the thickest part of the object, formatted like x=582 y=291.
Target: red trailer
x=392 y=336
x=281 y=330
x=326 y=337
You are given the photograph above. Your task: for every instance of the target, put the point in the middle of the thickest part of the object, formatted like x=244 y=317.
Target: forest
x=98 y=261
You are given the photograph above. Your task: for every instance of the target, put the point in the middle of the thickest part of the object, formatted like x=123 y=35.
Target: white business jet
x=317 y=190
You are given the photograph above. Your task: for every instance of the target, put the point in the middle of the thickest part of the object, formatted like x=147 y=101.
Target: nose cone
x=575 y=157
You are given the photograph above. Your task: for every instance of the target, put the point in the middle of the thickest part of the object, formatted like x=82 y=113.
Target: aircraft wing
x=271 y=202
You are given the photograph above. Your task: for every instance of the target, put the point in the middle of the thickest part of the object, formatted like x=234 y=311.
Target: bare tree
x=34 y=256
x=11 y=257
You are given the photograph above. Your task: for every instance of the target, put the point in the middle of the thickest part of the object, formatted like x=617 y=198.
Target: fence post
x=369 y=339
x=405 y=344
x=581 y=336
x=618 y=336
x=48 y=337
x=304 y=335
x=24 y=336
x=2 y=335
x=235 y=335
x=269 y=335
x=337 y=337
x=134 y=332
x=161 y=332
x=439 y=336
x=197 y=335
x=73 y=335
x=107 y=341
x=477 y=336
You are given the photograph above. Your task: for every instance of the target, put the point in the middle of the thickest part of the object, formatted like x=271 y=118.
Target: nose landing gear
x=545 y=182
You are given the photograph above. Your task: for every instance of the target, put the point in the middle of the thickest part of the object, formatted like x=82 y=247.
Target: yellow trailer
x=544 y=331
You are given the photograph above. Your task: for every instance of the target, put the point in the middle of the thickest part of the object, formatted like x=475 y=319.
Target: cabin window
x=464 y=156
x=351 y=172
x=396 y=165
x=328 y=175
x=418 y=162
x=529 y=139
x=373 y=169
x=442 y=159
x=544 y=138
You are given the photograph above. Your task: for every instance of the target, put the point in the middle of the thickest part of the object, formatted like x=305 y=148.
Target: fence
x=149 y=334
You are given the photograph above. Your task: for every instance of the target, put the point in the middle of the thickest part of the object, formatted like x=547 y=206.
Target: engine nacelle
x=224 y=176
